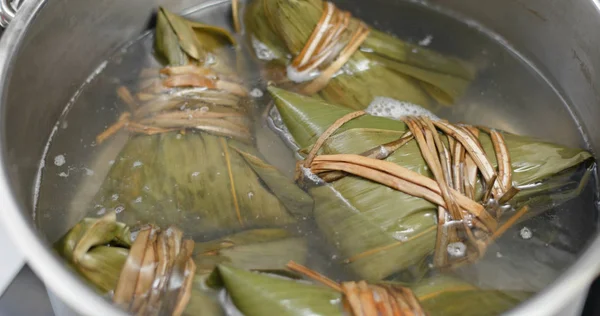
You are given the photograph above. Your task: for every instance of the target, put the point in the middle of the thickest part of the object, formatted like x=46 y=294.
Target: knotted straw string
x=149 y=119
x=323 y=46
x=361 y=298
x=455 y=172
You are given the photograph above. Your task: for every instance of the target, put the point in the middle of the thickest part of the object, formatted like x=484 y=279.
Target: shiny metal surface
x=51 y=47
x=8 y=9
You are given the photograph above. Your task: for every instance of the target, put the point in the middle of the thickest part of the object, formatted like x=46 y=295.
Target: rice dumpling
x=313 y=47
x=256 y=293
x=394 y=184
x=190 y=161
x=161 y=272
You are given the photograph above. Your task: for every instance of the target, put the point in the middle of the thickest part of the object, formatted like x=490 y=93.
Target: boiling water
x=509 y=94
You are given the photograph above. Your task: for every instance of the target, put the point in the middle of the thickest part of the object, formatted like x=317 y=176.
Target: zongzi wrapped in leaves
x=163 y=273
x=255 y=293
x=189 y=160
x=383 y=211
x=316 y=46
x=149 y=275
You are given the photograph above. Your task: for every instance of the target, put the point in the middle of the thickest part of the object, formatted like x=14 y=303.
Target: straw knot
x=363 y=299
x=207 y=103
x=455 y=159
x=328 y=48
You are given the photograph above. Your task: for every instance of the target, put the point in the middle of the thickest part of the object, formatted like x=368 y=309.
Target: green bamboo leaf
x=387 y=66
x=102 y=266
x=381 y=231
x=178 y=39
x=259 y=249
x=167 y=43
x=188 y=41
x=203 y=301
x=295 y=199
x=195 y=181
x=257 y=294
x=447 y=295
x=97 y=249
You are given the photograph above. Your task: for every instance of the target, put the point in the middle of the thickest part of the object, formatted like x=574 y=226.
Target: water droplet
x=137 y=164
x=250 y=195
x=526 y=233
x=119 y=209
x=400 y=236
x=456 y=249
x=89 y=172
x=204 y=109
x=111 y=162
x=114 y=197
x=138 y=200
x=195 y=174
x=256 y=93
x=101 y=211
x=498 y=255
x=63 y=174
x=60 y=160
x=178 y=136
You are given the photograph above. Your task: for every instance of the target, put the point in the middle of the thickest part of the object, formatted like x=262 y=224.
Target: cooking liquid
x=509 y=94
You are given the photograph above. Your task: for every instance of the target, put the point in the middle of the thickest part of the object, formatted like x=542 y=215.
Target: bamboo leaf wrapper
x=381 y=231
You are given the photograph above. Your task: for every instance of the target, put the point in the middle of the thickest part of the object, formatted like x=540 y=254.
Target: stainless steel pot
x=51 y=47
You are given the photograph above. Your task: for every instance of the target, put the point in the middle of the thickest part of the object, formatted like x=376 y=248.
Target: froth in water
x=397 y=110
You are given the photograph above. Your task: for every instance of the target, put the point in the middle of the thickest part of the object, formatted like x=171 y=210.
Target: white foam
x=397 y=110
x=301 y=76
x=59 y=160
x=263 y=52
x=256 y=93
x=426 y=41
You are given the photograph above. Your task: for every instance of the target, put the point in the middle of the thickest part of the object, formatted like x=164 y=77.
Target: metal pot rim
x=62 y=282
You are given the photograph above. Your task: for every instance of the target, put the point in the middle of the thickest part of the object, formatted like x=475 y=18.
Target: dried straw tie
x=323 y=46
x=455 y=169
x=158 y=273
x=148 y=118
x=363 y=299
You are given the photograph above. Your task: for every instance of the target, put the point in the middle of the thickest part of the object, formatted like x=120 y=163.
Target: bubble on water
x=195 y=174
x=137 y=163
x=64 y=125
x=114 y=197
x=397 y=110
x=101 y=211
x=119 y=209
x=400 y=236
x=301 y=76
x=88 y=172
x=111 y=162
x=256 y=93
x=210 y=59
x=178 y=136
x=138 y=200
x=63 y=174
x=526 y=233
x=60 y=160
x=250 y=195
x=498 y=255
x=261 y=50
x=426 y=41
x=204 y=109
x=456 y=249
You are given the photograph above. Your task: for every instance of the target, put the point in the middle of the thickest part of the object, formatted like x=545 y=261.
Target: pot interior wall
x=69 y=39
